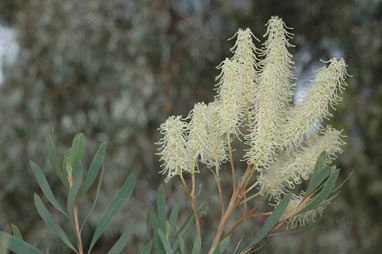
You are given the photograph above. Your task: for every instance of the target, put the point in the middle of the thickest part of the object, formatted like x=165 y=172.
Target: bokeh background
x=116 y=69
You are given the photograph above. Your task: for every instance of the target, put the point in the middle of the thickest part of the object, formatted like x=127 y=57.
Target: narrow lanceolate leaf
x=197 y=245
x=49 y=220
x=182 y=246
x=319 y=164
x=316 y=181
x=324 y=193
x=271 y=221
x=123 y=240
x=156 y=226
x=93 y=170
x=16 y=232
x=222 y=246
x=165 y=243
x=117 y=203
x=147 y=248
x=17 y=245
x=54 y=160
x=78 y=147
x=44 y=185
x=161 y=206
x=189 y=223
x=73 y=194
x=173 y=218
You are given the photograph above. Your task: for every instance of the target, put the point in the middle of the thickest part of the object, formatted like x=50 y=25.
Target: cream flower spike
x=245 y=55
x=173 y=148
x=229 y=97
x=273 y=96
x=315 y=106
x=216 y=150
x=292 y=168
x=198 y=136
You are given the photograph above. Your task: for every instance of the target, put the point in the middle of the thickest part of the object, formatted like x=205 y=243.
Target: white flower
x=173 y=151
x=273 y=95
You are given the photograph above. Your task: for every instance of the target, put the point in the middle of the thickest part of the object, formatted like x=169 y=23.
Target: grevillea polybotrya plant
x=286 y=142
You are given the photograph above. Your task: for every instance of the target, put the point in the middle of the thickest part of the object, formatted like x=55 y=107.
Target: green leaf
x=316 y=181
x=16 y=232
x=271 y=221
x=222 y=246
x=182 y=246
x=155 y=222
x=165 y=243
x=94 y=169
x=49 y=220
x=117 y=203
x=122 y=241
x=78 y=147
x=17 y=245
x=161 y=206
x=44 y=185
x=95 y=199
x=73 y=194
x=319 y=164
x=324 y=193
x=53 y=159
x=147 y=248
x=197 y=245
x=173 y=218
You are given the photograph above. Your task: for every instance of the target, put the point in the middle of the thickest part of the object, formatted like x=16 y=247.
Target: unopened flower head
x=198 y=136
x=273 y=96
x=296 y=166
x=173 y=148
x=309 y=112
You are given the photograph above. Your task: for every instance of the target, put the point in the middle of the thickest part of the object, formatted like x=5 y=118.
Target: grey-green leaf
x=49 y=220
x=316 y=181
x=53 y=159
x=78 y=148
x=165 y=243
x=173 y=218
x=147 y=248
x=271 y=221
x=161 y=206
x=16 y=232
x=324 y=193
x=44 y=185
x=319 y=164
x=222 y=246
x=94 y=169
x=17 y=245
x=117 y=203
x=197 y=245
x=123 y=240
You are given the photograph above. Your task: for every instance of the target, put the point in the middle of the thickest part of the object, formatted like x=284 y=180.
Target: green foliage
x=77 y=187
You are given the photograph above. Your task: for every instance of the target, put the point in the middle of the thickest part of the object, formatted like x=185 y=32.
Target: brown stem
x=235 y=200
x=192 y=199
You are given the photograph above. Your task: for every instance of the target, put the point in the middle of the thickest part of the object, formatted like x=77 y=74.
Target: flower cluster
x=254 y=103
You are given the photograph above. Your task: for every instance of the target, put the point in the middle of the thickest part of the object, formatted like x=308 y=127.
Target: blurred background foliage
x=117 y=69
